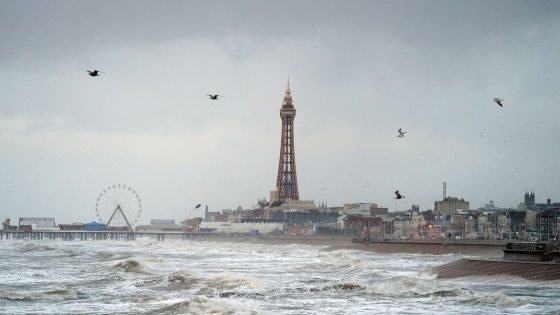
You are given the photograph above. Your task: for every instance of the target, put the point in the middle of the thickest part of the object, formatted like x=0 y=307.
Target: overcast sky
x=359 y=70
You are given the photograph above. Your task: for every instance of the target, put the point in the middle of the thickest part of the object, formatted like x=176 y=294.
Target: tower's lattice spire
x=286 y=181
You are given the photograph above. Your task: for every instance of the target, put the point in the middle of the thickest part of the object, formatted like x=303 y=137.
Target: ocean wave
x=232 y=294
x=36 y=247
x=129 y=265
x=102 y=255
x=471 y=298
x=202 y=306
x=340 y=287
x=225 y=282
x=53 y=295
x=186 y=279
x=420 y=284
x=182 y=279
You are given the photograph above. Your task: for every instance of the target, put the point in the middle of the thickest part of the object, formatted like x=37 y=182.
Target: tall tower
x=286 y=182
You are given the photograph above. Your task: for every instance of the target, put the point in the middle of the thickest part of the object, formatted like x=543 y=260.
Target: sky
x=358 y=71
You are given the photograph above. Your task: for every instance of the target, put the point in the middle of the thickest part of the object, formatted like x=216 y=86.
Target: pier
x=71 y=235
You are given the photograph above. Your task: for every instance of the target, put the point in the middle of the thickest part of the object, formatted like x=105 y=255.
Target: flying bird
x=197 y=206
x=94 y=73
x=401 y=133
x=213 y=96
x=276 y=203
x=498 y=101
x=398 y=195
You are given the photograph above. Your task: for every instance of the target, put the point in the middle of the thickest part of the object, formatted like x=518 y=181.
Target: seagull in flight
x=94 y=73
x=213 y=96
x=498 y=101
x=276 y=203
x=398 y=195
x=401 y=133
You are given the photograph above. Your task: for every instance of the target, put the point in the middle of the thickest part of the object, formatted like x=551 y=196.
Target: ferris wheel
x=118 y=206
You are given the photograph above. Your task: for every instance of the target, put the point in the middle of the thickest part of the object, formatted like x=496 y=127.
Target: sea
x=147 y=276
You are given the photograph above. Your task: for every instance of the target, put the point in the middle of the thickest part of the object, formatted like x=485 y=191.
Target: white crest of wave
x=220 y=281
x=130 y=264
x=420 y=284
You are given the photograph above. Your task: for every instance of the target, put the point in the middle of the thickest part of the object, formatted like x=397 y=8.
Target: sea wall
x=491 y=268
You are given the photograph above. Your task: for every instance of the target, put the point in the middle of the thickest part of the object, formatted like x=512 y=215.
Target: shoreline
x=345 y=243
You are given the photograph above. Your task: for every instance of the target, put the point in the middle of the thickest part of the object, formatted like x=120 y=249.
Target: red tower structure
x=286 y=182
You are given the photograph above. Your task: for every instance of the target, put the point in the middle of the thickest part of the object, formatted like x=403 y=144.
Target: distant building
x=360 y=209
x=547 y=225
x=362 y=226
x=365 y=209
x=451 y=205
x=94 y=226
x=216 y=216
x=410 y=225
x=43 y=224
x=249 y=227
x=491 y=207
x=529 y=203
x=162 y=221
x=304 y=219
x=529 y=199
x=159 y=225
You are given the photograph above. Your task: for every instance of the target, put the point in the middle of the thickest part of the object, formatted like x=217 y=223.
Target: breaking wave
x=404 y=286
x=129 y=265
x=341 y=287
x=186 y=279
